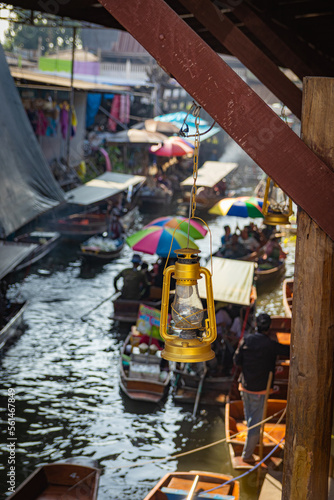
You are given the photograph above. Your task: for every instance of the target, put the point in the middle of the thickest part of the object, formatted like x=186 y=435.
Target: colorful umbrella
x=243 y=206
x=158 y=239
x=196 y=230
x=173 y=146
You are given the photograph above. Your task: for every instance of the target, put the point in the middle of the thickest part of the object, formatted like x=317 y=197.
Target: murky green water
x=66 y=378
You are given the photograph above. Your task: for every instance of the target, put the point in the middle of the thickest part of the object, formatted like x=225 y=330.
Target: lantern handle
x=211 y=320
x=165 y=302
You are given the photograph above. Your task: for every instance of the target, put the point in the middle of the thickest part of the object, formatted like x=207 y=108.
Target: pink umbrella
x=173 y=146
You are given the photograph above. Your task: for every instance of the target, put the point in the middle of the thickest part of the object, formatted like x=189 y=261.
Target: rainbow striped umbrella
x=158 y=239
x=243 y=206
x=196 y=230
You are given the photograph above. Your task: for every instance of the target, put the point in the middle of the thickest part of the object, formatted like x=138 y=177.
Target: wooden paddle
x=199 y=390
x=85 y=316
x=264 y=416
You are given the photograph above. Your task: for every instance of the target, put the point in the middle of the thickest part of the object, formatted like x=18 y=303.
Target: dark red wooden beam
x=279 y=49
x=234 y=105
x=231 y=37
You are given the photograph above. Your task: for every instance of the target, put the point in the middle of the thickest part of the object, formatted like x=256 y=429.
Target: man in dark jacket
x=135 y=282
x=256 y=356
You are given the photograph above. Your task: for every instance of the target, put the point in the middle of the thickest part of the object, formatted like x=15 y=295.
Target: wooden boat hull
x=178 y=485
x=144 y=385
x=79 y=227
x=214 y=390
x=46 y=242
x=14 y=325
x=287 y=296
x=126 y=311
x=264 y=276
x=274 y=430
x=99 y=255
x=59 y=481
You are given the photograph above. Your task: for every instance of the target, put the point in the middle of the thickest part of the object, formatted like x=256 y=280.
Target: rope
x=245 y=473
x=179 y=455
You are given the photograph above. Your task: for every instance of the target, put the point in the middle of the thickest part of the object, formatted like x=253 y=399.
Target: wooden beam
x=247 y=52
x=234 y=105
x=310 y=396
x=275 y=44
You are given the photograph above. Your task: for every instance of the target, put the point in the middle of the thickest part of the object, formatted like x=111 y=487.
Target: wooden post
x=310 y=396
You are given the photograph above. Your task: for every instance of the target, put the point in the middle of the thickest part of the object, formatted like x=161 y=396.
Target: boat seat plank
x=177 y=483
x=182 y=494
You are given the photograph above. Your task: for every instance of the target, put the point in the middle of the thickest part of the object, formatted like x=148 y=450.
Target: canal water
x=64 y=371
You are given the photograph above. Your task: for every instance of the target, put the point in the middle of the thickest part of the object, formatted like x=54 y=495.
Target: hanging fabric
x=114 y=111
x=124 y=112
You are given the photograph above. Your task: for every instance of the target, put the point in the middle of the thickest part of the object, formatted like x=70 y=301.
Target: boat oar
x=199 y=390
x=85 y=316
x=264 y=416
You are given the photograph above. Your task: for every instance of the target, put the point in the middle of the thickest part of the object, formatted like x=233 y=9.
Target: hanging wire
x=195 y=108
x=183 y=132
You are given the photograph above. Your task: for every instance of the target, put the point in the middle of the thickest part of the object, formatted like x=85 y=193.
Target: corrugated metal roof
x=126 y=44
x=62 y=81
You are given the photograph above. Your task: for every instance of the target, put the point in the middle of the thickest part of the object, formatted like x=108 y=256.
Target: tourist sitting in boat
x=226 y=236
x=158 y=271
x=135 y=282
x=234 y=249
x=248 y=241
x=272 y=252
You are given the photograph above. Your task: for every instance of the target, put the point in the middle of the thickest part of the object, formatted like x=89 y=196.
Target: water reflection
x=66 y=377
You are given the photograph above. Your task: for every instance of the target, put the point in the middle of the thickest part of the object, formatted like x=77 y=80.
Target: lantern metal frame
x=274 y=216
x=196 y=349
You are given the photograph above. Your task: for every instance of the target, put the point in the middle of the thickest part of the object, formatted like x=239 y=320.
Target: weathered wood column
x=310 y=397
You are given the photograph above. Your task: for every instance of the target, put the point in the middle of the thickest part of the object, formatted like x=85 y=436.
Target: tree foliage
x=43 y=34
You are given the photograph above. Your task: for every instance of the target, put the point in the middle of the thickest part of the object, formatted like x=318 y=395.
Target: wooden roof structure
x=186 y=36
x=291 y=33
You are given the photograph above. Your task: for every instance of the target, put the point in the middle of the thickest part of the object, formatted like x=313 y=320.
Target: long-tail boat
x=236 y=430
x=177 y=485
x=59 y=481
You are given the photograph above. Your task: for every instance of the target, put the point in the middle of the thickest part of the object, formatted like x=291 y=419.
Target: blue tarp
x=178 y=120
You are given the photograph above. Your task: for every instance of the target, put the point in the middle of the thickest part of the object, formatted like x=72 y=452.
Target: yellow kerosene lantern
x=188 y=341
x=277 y=206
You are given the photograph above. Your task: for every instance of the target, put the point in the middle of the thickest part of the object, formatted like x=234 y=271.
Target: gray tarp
x=27 y=186
x=11 y=254
x=103 y=187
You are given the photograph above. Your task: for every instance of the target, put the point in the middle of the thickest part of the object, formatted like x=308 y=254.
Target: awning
x=63 y=81
x=232 y=281
x=103 y=187
x=210 y=173
x=178 y=120
x=11 y=254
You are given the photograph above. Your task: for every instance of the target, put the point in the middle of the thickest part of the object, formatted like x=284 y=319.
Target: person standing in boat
x=256 y=358
x=135 y=282
x=115 y=228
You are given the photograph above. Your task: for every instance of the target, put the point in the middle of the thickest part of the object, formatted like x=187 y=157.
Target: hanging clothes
x=42 y=123
x=114 y=111
x=74 y=122
x=64 y=109
x=124 y=112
